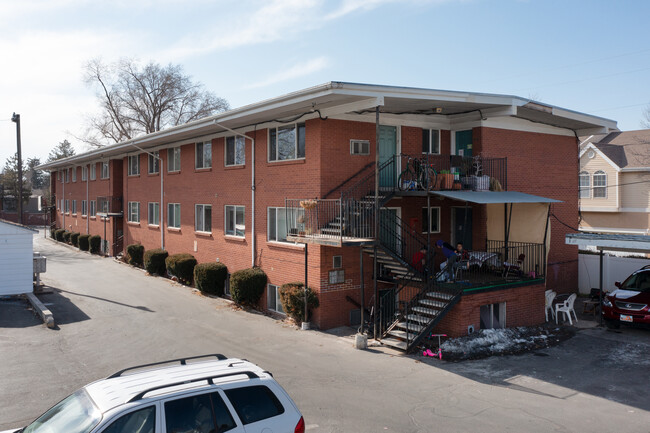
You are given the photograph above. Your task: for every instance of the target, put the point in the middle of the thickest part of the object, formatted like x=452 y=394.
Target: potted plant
x=446 y=180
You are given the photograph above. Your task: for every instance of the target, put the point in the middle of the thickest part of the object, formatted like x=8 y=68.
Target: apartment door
x=464 y=143
x=462 y=226
x=389 y=229
x=387 y=150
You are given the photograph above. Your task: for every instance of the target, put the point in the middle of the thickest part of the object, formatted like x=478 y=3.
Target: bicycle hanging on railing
x=417 y=175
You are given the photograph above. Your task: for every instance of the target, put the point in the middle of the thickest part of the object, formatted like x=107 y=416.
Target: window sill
x=235 y=238
x=84 y=216
x=206 y=234
x=93 y=218
x=234 y=167
x=286 y=162
x=134 y=224
x=153 y=226
x=152 y=174
x=133 y=175
x=287 y=245
x=202 y=170
x=105 y=178
x=171 y=173
x=74 y=214
x=174 y=229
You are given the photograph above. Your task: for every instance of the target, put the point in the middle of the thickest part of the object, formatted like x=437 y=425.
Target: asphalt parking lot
x=110 y=316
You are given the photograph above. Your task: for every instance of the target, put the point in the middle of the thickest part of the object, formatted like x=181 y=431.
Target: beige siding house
x=615 y=183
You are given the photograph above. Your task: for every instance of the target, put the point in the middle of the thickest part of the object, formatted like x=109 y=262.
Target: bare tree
x=139 y=100
x=645 y=122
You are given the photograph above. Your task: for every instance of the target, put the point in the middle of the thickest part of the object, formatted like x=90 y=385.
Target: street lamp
x=16 y=119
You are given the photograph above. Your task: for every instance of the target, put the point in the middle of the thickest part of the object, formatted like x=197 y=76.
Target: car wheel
x=612 y=324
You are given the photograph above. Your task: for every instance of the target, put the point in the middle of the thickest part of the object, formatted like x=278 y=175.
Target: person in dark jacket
x=448 y=265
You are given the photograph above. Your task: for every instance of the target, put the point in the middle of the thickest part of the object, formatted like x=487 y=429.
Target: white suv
x=213 y=396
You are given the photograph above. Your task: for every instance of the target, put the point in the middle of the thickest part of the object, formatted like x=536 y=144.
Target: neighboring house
x=16 y=258
x=33 y=212
x=304 y=178
x=614 y=181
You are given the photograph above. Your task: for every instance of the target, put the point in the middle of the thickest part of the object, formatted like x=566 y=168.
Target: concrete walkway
x=110 y=316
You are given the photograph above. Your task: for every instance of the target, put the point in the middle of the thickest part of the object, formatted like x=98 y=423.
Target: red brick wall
x=524 y=307
x=545 y=165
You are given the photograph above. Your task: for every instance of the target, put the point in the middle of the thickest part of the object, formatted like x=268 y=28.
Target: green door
x=464 y=143
x=389 y=235
x=387 y=151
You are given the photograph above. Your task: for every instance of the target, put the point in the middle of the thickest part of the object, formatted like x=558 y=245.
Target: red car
x=630 y=302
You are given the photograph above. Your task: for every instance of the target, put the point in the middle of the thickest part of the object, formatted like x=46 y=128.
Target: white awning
x=492 y=197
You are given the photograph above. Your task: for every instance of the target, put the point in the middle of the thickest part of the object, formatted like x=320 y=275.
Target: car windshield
x=75 y=414
x=639 y=282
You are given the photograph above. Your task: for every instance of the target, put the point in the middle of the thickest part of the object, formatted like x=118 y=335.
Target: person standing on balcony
x=461 y=252
x=446 y=267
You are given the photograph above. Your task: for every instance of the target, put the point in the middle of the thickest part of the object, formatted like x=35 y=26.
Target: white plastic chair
x=550 y=296
x=566 y=307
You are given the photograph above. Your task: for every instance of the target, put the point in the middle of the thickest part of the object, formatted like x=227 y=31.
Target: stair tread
x=424 y=310
x=393 y=342
x=410 y=326
x=439 y=295
x=398 y=333
x=418 y=318
x=432 y=303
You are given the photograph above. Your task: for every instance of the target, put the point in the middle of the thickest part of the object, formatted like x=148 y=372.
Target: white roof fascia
x=353 y=106
x=633 y=169
x=598 y=151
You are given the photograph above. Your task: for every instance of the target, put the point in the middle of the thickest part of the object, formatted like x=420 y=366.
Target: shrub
x=58 y=234
x=74 y=238
x=210 y=277
x=134 y=253
x=154 y=261
x=84 y=243
x=181 y=266
x=95 y=244
x=247 y=286
x=66 y=236
x=53 y=232
x=292 y=296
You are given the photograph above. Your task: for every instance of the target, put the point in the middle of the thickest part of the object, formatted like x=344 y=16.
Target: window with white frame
x=235 y=150
x=84 y=173
x=203 y=155
x=133 y=162
x=585 y=184
x=103 y=205
x=74 y=206
x=153 y=214
x=84 y=208
x=277 y=222
x=287 y=142
x=235 y=221
x=67 y=175
x=203 y=218
x=174 y=159
x=62 y=205
x=337 y=276
x=600 y=184
x=154 y=162
x=134 y=212
x=74 y=174
x=359 y=147
x=432 y=223
x=493 y=316
x=431 y=141
x=93 y=208
x=174 y=215
x=93 y=171
x=105 y=173
x=273 y=302
x=67 y=206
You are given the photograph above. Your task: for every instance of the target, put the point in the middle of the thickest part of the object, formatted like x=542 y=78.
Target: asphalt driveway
x=111 y=316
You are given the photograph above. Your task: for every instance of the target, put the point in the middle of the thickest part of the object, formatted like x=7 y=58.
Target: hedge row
x=181 y=266
x=154 y=261
x=134 y=254
x=247 y=286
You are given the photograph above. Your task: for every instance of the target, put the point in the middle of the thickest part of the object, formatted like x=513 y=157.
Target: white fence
x=614 y=269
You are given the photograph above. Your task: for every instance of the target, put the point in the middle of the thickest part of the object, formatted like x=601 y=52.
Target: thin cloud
x=350 y=6
x=296 y=71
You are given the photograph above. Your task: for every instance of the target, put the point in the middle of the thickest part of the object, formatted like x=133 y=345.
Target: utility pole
x=16 y=118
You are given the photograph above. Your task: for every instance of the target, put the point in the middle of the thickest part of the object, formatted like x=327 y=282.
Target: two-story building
x=614 y=177
x=345 y=184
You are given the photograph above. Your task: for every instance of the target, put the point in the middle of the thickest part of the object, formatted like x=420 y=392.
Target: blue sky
x=586 y=55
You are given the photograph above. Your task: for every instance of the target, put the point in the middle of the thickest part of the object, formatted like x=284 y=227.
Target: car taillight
x=300 y=427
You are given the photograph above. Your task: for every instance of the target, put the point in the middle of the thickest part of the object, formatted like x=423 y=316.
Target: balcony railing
x=109 y=204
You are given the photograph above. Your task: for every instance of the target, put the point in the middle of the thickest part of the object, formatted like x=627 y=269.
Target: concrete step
x=427 y=311
x=417 y=318
x=393 y=342
x=432 y=303
x=410 y=327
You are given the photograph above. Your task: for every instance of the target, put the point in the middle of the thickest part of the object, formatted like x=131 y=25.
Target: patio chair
x=566 y=307
x=513 y=269
x=550 y=296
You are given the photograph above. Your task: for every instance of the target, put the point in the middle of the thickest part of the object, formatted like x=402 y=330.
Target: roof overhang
x=337 y=98
x=610 y=242
x=493 y=197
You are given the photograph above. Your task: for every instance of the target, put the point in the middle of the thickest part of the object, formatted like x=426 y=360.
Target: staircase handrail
x=340 y=185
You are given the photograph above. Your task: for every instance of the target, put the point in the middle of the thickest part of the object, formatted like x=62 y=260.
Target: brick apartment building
x=302 y=176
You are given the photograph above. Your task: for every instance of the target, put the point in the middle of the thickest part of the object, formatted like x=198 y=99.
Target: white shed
x=16 y=258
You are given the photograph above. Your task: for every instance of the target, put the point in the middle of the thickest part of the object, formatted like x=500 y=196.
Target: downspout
x=87 y=201
x=548 y=218
x=374 y=272
x=253 y=246
x=63 y=204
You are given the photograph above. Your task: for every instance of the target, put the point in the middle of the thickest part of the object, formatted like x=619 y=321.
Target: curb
x=41 y=309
